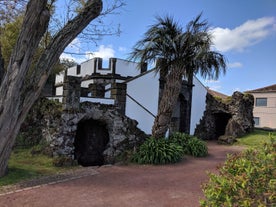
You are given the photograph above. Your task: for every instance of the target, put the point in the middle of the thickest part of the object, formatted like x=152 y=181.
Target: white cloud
x=122 y=49
x=249 y=33
x=104 y=52
x=71 y=57
x=235 y=65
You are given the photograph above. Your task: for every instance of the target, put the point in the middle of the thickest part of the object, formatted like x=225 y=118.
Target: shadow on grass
x=16 y=175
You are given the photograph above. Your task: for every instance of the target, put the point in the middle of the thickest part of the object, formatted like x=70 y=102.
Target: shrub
x=191 y=145
x=180 y=139
x=246 y=179
x=197 y=147
x=158 y=151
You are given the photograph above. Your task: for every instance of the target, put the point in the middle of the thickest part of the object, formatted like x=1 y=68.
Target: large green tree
x=178 y=54
x=22 y=82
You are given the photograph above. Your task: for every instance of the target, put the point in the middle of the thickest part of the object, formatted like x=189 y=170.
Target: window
x=261 y=102
x=257 y=121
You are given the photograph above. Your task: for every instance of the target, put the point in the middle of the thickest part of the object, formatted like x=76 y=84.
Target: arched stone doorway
x=221 y=121
x=90 y=142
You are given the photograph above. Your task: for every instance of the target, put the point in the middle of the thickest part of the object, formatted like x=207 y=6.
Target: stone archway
x=221 y=121
x=91 y=140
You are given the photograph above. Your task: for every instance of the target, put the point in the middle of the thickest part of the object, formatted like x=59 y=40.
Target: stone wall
x=226 y=120
x=123 y=131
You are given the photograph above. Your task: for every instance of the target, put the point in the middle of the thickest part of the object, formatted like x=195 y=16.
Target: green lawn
x=255 y=138
x=23 y=165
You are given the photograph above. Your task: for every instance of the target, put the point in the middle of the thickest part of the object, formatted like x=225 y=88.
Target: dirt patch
x=133 y=185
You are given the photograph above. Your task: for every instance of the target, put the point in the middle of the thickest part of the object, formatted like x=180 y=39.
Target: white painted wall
x=59 y=91
x=97 y=100
x=198 y=103
x=145 y=90
x=87 y=68
x=127 y=68
x=59 y=77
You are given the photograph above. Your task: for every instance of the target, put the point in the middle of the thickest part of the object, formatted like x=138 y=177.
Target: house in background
x=265 y=106
x=135 y=91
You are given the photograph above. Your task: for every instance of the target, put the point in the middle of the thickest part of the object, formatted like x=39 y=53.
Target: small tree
x=177 y=54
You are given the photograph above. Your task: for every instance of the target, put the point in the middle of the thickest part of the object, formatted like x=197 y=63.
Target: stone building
x=134 y=91
x=108 y=110
x=226 y=118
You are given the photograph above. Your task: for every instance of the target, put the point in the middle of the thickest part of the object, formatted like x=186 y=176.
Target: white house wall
x=59 y=91
x=59 y=78
x=198 y=104
x=87 y=68
x=127 y=68
x=145 y=90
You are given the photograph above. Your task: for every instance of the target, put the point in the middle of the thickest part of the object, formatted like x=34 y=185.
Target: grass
x=23 y=166
x=255 y=138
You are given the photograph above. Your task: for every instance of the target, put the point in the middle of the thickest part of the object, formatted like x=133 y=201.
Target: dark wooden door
x=91 y=140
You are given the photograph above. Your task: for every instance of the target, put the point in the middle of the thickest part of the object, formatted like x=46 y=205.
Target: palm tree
x=178 y=54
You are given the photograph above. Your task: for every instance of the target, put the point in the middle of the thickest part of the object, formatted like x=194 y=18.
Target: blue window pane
x=261 y=101
x=257 y=121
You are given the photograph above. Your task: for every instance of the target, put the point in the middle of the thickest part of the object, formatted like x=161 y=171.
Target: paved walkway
x=133 y=185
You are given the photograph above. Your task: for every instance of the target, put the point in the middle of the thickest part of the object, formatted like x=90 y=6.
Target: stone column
x=71 y=93
x=118 y=92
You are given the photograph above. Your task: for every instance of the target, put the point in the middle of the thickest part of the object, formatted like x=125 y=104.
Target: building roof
x=267 y=89
x=216 y=94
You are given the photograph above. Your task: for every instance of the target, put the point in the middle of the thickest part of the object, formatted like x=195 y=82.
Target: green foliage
x=181 y=139
x=8 y=38
x=197 y=147
x=254 y=139
x=163 y=151
x=158 y=151
x=191 y=145
x=245 y=179
x=31 y=130
x=24 y=165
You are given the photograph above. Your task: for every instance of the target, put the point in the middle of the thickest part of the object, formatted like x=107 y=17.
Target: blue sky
x=244 y=32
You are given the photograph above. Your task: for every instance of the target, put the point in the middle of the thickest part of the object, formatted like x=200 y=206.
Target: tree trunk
x=22 y=85
x=167 y=103
x=2 y=69
x=190 y=98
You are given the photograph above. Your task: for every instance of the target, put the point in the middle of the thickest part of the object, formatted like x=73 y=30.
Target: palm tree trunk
x=167 y=103
x=190 y=98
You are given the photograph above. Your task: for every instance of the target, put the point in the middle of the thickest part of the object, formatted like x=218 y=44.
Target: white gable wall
x=145 y=90
x=198 y=103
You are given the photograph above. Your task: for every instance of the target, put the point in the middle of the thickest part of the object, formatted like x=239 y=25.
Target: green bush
x=197 y=148
x=158 y=151
x=246 y=179
x=191 y=145
x=181 y=139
